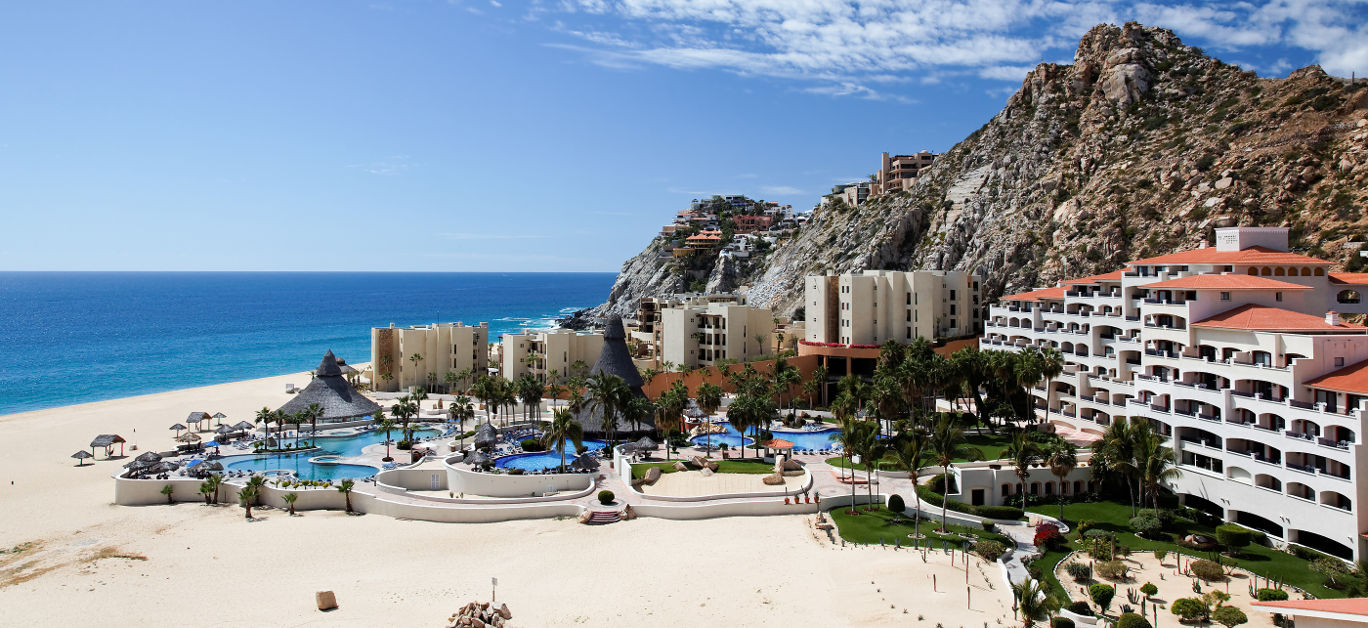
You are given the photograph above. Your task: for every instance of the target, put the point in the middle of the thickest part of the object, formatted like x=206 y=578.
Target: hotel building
x=700 y=329
x=540 y=352
x=1237 y=354
x=440 y=347
x=875 y=306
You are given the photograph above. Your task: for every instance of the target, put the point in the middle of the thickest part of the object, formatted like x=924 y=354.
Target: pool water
x=330 y=445
x=546 y=459
x=801 y=440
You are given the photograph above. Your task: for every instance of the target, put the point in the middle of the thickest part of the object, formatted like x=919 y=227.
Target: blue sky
x=480 y=135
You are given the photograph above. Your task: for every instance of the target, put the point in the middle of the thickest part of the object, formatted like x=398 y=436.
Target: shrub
x=516 y=471
x=1047 y=536
x=1233 y=537
x=1101 y=595
x=404 y=445
x=532 y=444
x=606 y=497
x=1146 y=524
x=1270 y=595
x=1160 y=555
x=1112 y=569
x=1061 y=622
x=1189 y=608
x=997 y=512
x=1079 y=607
x=1149 y=589
x=895 y=504
x=989 y=550
x=1132 y=620
x=1083 y=527
x=1081 y=572
x=1229 y=616
x=988 y=526
x=1207 y=570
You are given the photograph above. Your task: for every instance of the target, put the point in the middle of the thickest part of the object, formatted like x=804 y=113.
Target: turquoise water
x=801 y=440
x=546 y=459
x=129 y=333
x=330 y=445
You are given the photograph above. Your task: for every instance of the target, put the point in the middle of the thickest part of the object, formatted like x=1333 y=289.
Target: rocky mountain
x=1138 y=148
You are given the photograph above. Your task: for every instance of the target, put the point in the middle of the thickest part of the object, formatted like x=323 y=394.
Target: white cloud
x=781 y=190
x=840 y=46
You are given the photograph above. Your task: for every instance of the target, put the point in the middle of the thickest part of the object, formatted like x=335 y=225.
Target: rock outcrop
x=1140 y=147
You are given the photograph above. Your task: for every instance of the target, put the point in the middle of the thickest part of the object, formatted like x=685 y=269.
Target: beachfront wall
x=504 y=485
x=129 y=492
x=717 y=375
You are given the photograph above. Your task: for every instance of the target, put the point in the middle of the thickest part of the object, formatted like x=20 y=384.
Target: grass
x=723 y=466
x=991 y=445
x=841 y=462
x=1115 y=517
x=874 y=526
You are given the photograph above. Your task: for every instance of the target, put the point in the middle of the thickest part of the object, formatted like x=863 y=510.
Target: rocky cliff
x=1140 y=147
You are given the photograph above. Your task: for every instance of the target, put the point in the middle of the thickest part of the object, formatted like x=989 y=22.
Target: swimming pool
x=537 y=461
x=818 y=439
x=334 y=445
x=302 y=468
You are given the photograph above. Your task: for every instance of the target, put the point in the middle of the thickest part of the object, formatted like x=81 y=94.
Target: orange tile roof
x=1264 y=318
x=1350 y=379
x=1358 y=279
x=779 y=443
x=1036 y=295
x=1225 y=282
x=1114 y=275
x=1251 y=255
x=1347 y=606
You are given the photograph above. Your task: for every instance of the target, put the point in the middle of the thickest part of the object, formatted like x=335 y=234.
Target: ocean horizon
x=79 y=336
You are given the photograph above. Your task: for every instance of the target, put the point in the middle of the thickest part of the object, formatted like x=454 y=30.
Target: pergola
x=107 y=441
x=779 y=445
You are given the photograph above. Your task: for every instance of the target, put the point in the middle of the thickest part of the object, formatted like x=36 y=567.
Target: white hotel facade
x=1237 y=354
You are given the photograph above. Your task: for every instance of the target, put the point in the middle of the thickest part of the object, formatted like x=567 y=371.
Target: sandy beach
x=71 y=556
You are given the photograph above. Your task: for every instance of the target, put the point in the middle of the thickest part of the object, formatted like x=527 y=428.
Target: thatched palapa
x=614 y=359
x=331 y=391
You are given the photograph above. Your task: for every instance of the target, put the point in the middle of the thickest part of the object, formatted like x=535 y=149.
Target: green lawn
x=872 y=526
x=1115 y=516
x=841 y=462
x=723 y=466
x=990 y=444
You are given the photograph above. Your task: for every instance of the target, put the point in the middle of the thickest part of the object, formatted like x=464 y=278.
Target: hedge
x=1132 y=620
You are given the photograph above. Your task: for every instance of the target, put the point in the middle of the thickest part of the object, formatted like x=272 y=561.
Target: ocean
x=75 y=337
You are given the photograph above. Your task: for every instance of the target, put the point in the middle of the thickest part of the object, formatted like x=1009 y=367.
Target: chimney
x=1332 y=318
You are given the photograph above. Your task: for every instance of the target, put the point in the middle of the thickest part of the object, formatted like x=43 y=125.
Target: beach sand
x=73 y=557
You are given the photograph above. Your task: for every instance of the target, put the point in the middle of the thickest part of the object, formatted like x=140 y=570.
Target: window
x=952 y=309
x=952 y=295
x=1277 y=296
x=1328 y=398
x=1339 y=362
x=909 y=298
x=1225 y=296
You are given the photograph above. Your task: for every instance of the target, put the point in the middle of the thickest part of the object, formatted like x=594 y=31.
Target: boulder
x=774 y=479
x=504 y=612
x=326 y=600
x=652 y=475
x=705 y=472
x=711 y=466
x=680 y=466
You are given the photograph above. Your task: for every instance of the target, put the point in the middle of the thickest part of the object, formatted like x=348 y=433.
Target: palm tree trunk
x=1060 y=495
x=945 y=498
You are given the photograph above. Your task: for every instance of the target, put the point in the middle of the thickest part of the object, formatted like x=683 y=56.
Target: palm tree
x=387 y=424
x=1154 y=462
x=461 y=411
x=258 y=484
x=1033 y=602
x=819 y=375
x=346 y=488
x=1116 y=454
x=530 y=390
x=671 y=407
x=1022 y=453
x=167 y=490
x=290 y=501
x=563 y=428
x=450 y=379
x=214 y=481
x=638 y=409
x=873 y=450
x=248 y=495
x=947 y=443
x=314 y=412
x=612 y=394
x=1050 y=363
x=403 y=410
x=264 y=417
x=856 y=435
x=205 y=490
x=910 y=449
x=1062 y=456
x=415 y=359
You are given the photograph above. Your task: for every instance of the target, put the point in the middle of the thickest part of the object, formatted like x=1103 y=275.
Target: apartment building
x=1237 y=353
x=900 y=172
x=422 y=355
x=701 y=334
x=540 y=352
x=875 y=306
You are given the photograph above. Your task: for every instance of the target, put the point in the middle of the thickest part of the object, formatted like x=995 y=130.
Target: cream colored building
x=699 y=329
x=875 y=306
x=439 y=348
x=900 y=172
x=540 y=352
x=1236 y=355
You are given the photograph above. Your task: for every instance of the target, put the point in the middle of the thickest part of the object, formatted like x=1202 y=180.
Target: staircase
x=603 y=517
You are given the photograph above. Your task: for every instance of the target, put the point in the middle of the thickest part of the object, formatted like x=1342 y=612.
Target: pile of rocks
x=480 y=615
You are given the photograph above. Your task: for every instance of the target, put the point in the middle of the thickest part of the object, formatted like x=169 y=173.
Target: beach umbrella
x=164 y=466
x=211 y=466
x=478 y=458
x=646 y=444
x=81 y=457
x=188 y=437
x=219 y=417
x=693 y=411
x=212 y=443
x=178 y=427
x=486 y=436
x=147 y=458
x=107 y=441
x=223 y=429
x=585 y=462
x=242 y=425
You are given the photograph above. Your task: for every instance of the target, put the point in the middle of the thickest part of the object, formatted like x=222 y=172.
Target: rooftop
x=1253 y=317
x=1225 y=282
x=1114 y=275
x=1350 y=379
x=1356 y=279
x=1036 y=295
x=1211 y=255
x=1348 y=606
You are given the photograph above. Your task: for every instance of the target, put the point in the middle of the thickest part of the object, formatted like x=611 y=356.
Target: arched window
x=1278 y=272
x=1306 y=272
x=1253 y=271
x=1347 y=296
x=1267 y=272
x=1320 y=272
